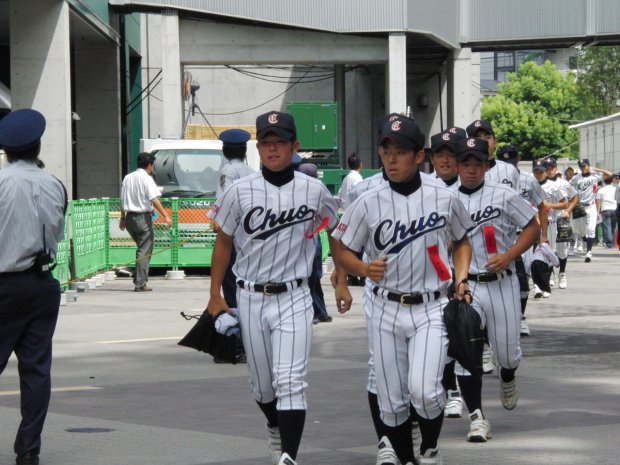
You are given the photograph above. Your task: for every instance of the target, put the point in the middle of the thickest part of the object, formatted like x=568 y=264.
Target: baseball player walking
x=531 y=192
x=272 y=219
x=497 y=212
x=564 y=190
x=586 y=184
x=405 y=227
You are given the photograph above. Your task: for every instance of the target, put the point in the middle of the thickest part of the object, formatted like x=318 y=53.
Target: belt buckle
x=266 y=290
x=480 y=278
x=403 y=297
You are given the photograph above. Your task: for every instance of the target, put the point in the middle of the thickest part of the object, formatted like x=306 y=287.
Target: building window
x=504 y=64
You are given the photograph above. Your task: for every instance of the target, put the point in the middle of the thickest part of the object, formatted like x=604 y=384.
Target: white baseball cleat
x=588 y=257
x=386 y=454
x=286 y=460
x=525 y=328
x=431 y=457
x=537 y=292
x=454 y=405
x=552 y=280
x=509 y=394
x=479 y=428
x=562 y=281
x=546 y=294
x=275 y=444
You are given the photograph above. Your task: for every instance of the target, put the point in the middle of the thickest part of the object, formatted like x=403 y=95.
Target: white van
x=189 y=168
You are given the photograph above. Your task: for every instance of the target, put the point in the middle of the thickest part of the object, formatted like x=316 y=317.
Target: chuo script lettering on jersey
x=271 y=222
x=398 y=235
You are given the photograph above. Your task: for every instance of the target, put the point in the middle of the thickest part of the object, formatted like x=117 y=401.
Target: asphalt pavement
x=126 y=394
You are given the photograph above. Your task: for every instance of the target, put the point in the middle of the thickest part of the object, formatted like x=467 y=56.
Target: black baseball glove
x=465 y=335
x=204 y=338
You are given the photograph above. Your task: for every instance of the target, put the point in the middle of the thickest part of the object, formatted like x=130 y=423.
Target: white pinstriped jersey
x=230 y=172
x=497 y=212
x=554 y=194
x=412 y=231
x=530 y=190
x=586 y=186
x=271 y=225
x=364 y=186
x=503 y=173
x=566 y=187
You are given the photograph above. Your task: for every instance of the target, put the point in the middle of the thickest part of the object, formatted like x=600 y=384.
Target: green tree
x=533 y=110
x=598 y=81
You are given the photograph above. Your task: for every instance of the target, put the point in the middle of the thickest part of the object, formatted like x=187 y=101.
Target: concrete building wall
x=599 y=141
x=97 y=102
x=40 y=76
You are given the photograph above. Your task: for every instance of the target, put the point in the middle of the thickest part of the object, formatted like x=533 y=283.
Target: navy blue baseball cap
x=448 y=139
x=404 y=132
x=278 y=123
x=583 y=162
x=479 y=148
x=539 y=165
x=235 y=137
x=384 y=119
x=479 y=125
x=21 y=130
x=551 y=161
x=508 y=153
x=309 y=169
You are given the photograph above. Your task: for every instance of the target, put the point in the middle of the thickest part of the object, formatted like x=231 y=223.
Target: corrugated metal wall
x=482 y=20
x=509 y=19
x=600 y=143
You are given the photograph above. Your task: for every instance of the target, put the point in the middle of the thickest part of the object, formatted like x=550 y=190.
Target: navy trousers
x=29 y=306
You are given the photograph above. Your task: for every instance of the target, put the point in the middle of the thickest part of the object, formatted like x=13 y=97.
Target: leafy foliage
x=598 y=81
x=533 y=110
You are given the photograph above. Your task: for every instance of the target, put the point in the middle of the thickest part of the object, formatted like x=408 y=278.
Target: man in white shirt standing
x=139 y=194
x=606 y=205
x=351 y=179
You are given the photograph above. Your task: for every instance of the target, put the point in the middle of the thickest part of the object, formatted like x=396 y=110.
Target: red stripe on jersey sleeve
x=489 y=239
x=321 y=227
x=440 y=267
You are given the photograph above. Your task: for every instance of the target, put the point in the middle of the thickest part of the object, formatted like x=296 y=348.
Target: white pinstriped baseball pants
x=277 y=334
x=410 y=346
x=499 y=306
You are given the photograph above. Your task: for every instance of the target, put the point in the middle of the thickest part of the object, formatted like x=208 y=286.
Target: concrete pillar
x=464 y=88
x=172 y=108
x=397 y=73
x=40 y=75
x=340 y=97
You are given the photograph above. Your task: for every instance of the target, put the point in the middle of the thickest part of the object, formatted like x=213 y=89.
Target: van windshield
x=188 y=172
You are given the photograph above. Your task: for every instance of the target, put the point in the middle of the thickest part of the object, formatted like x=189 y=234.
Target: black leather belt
x=270 y=288
x=407 y=299
x=488 y=277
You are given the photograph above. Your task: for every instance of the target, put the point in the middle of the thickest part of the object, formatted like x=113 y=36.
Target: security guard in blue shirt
x=32 y=215
x=234 y=148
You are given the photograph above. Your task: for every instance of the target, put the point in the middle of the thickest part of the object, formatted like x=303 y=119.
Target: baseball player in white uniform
x=272 y=219
x=531 y=192
x=499 y=171
x=443 y=156
x=497 y=212
x=567 y=188
x=405 y=228
x=586 y=185
x=561 y=247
